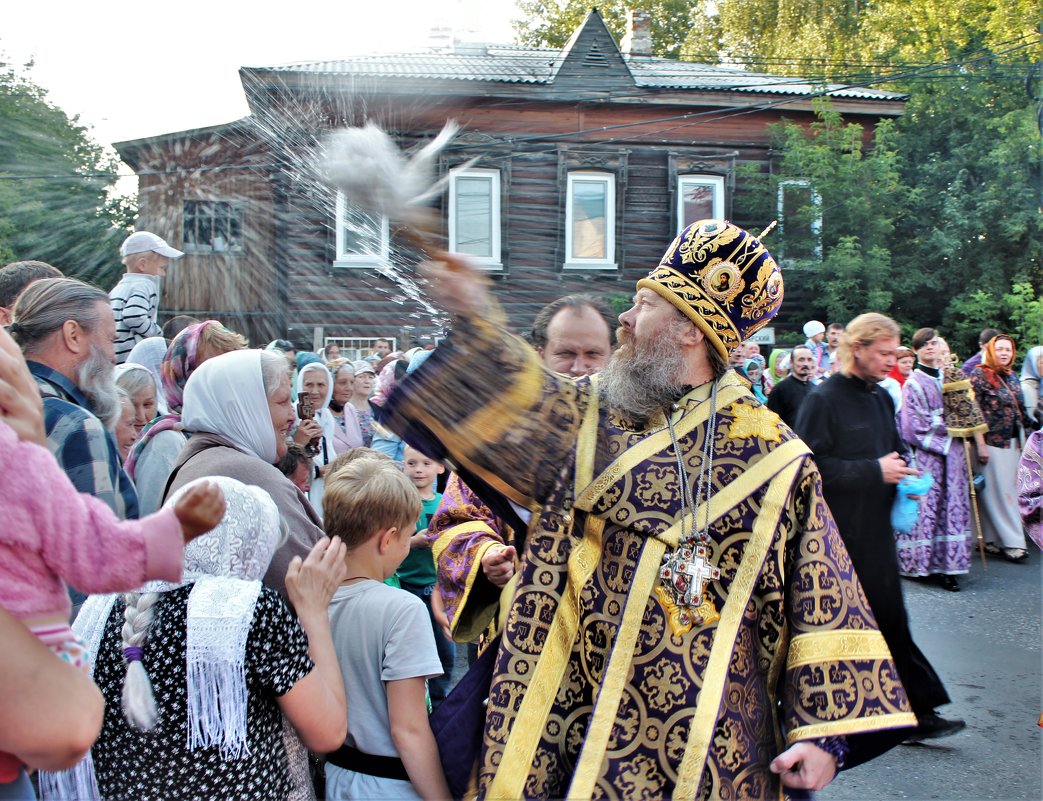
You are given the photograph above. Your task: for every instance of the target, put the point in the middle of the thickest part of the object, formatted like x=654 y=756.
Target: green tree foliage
x=965 y=246
x=1023 y=306
x=550 y=23
x=53 y=205
x=973 y=156
x=785 y=37
x=859 y=195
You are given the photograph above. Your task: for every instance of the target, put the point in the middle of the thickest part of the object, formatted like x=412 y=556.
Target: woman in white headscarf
x=149 y=354
x=317 y=435
x=140 y=386
x=196 y=675
x=239 y=409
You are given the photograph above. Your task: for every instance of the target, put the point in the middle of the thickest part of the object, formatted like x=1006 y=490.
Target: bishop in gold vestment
x=657 y=644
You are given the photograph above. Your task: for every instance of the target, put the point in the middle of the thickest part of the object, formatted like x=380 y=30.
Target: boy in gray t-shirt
x=383 y=640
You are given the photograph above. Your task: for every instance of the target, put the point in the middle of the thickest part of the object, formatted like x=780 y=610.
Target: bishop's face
x=646 y=321
x=644 y=375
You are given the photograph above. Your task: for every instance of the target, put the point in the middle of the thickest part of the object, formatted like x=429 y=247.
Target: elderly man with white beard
x=686 y=622
x=66 y=331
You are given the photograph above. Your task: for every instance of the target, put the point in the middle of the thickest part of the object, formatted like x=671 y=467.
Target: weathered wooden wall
x=284 y=281
x=239 y=288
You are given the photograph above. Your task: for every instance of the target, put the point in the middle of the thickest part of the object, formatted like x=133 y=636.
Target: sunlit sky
x=136 y=69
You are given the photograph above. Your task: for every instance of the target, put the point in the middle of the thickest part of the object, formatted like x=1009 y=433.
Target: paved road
x=985 y=644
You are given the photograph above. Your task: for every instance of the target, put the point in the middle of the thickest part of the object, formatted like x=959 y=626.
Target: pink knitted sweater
x=50 y=532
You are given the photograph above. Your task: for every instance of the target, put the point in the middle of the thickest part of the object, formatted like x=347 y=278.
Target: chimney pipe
x=638 y=38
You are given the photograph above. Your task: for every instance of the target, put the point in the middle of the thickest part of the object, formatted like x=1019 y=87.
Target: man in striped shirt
x=135 y=299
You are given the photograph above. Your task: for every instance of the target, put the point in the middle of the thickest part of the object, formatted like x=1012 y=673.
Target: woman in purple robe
x=1030 y=487
x=940 y=543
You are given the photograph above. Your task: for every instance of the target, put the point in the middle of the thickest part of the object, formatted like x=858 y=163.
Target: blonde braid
x=139 y=704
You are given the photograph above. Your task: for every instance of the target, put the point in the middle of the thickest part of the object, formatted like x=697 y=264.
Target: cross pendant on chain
x=686 y=572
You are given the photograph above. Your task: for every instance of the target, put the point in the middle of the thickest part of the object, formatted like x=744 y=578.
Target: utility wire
x=919 y=72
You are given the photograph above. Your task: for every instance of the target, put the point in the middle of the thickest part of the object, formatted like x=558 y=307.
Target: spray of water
x=335 y=142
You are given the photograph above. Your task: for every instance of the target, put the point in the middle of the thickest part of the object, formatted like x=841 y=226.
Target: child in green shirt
x=418 y=573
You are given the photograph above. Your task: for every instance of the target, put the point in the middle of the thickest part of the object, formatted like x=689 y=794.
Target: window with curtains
x=699 y=197
x=590 y=217
x=800 y=220
x=474 y=215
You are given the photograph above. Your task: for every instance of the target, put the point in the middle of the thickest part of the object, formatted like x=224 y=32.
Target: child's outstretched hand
x=199 y=509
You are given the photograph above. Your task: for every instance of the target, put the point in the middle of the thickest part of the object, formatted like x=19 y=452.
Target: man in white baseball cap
x=135 y=299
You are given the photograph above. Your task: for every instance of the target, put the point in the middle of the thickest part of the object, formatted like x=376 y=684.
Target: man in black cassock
x=788 y=395
x=849 y=424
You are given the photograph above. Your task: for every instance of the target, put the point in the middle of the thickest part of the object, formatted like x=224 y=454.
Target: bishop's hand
x=498 y=564
x=455 y=285
x=805 y=766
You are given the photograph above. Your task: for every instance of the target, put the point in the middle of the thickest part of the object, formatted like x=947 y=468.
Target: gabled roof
x=591 y=47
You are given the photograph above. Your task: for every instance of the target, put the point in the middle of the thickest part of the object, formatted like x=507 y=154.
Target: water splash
x=370 y=169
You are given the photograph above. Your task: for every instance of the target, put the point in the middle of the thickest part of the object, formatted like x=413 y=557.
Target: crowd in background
x=184 y=496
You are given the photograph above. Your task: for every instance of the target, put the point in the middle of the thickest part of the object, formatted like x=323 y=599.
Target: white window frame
x=359 y=260
x=816 y=224
x=358 y=347
x=716 y=184
x=494 y=261
x=609 y=262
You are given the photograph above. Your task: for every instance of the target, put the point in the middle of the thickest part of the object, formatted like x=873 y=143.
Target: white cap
x=362 y=366
x=813 y=328
x=143 y=242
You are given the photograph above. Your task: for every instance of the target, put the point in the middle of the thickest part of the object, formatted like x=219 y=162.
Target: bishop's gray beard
x=643 y=378
x=95 y=378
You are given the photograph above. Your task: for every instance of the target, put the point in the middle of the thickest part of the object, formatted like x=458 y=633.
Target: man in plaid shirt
x=66 y=330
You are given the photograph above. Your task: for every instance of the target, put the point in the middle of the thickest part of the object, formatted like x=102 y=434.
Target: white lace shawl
x=225 y=567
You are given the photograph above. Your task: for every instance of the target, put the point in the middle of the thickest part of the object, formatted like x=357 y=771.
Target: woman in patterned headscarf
x=385 y=440
x=754 y=373
x=998 y=392
x=153 y=456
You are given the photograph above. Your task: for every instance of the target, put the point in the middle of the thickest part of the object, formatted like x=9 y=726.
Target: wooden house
x=573 y=172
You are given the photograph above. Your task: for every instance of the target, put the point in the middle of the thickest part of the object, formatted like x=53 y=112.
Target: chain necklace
x=704 y=487
x=686 y=570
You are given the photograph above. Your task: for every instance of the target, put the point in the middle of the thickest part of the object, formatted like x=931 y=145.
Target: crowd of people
x=233 y=571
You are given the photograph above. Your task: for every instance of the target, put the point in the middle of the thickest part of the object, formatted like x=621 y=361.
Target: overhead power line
x=921 y=72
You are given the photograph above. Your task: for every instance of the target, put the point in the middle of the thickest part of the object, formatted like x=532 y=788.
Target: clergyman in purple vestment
x=940 y=543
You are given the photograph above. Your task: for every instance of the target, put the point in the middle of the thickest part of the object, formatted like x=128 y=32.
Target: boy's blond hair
x=352 y=454
x=365 y=496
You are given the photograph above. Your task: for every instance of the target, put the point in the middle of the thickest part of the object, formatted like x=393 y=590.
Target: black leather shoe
x=933 y=726
x=949 y=583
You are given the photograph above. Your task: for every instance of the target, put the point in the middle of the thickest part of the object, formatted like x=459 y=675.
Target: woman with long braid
x=197 y=675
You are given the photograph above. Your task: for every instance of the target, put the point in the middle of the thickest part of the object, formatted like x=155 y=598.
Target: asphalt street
x=984 y=641
x=985 y=644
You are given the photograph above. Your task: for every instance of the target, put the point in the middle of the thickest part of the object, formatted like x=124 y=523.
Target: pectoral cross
x=686 y=572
